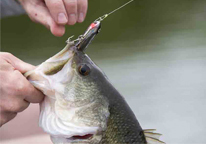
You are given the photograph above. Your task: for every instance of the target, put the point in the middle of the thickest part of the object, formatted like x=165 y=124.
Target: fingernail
x=72 y=19
x=81 y=17
x=62 y=18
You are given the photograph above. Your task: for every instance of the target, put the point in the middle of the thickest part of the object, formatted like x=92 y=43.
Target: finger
x=22 y=105
x=71 y=8
x=13 y=104
x=57 y=11
x=26 y=91
x=57 y=30
x=5 y=66
x=6 y=116
x=17 y=63
x=82 y=10
x=31 y=94
x=39 y=13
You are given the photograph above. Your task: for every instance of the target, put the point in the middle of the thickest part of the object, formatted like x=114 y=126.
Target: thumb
x=39 y=13
x=17 y=63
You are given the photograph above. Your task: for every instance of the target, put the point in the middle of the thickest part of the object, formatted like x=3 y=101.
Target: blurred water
x=154 y=52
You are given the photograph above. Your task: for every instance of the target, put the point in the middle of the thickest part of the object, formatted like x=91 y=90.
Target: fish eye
x=84 y=70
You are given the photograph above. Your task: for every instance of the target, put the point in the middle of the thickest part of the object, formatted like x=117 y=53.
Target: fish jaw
x=58 y=126
x=87 y=139
x=52 y=74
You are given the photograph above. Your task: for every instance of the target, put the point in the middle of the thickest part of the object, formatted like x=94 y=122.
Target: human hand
x=15 y=90
x=55 y=14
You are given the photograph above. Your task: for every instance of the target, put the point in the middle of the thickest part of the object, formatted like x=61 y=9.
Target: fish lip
x=63 y=140
x=65 y=54
x=81 y=138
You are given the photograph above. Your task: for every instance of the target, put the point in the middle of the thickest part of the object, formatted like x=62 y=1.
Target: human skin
x=55 y=14
x=16 y=93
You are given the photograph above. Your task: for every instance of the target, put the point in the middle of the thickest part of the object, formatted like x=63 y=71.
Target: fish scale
x=122 y=126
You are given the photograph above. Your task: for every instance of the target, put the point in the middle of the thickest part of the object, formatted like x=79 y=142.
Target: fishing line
x=120 y=7
x=106 y=15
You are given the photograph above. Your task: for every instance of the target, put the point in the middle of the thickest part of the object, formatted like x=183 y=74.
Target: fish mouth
x=74 y=139
x=79 y=138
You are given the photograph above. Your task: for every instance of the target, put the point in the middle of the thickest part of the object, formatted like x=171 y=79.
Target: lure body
x=85 y=39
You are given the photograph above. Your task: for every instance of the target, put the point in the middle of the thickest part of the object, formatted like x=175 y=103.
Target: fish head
x=74 y=110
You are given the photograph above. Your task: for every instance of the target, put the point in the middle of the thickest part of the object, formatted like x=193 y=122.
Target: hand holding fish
x=55 y=14
x=15 y=91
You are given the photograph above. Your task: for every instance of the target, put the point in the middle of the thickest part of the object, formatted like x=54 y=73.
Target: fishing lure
x=84 y=40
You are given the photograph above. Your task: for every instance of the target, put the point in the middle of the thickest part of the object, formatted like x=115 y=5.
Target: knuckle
x=56 y=4
x=21 y=87
x=5 y=68
x=71 y=4
x=6 y=54
x=13 y=107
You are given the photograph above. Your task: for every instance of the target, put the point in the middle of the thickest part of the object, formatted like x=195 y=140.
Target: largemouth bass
x=81 y=105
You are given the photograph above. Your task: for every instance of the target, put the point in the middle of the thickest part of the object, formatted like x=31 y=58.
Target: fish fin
x=151 y=137
x=149 y=130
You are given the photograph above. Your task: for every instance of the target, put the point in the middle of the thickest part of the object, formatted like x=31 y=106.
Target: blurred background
x=154 y=53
